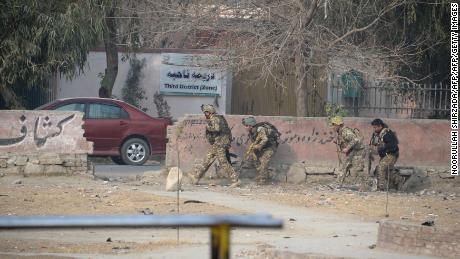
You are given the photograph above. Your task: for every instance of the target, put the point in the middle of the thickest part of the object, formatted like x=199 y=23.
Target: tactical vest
x=224 y=128
x=225 y=134
x=377 y=140
x=273 y=133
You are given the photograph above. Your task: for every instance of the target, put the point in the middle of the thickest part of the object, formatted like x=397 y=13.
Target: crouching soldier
x=264 y=142
x=386 y=143
x=350 y=143
x=219 y=136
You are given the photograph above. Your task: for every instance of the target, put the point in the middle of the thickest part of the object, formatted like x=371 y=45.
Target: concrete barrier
x=405 y=237
x=43 y=143
x=423 y=143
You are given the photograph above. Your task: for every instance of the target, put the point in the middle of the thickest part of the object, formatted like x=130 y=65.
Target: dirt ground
x=443 y=208
x=78 y=195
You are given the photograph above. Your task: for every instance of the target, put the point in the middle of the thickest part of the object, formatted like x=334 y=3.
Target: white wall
x=87 y=85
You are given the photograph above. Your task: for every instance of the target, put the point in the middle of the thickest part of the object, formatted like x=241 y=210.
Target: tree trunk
x=111 y=52
x=309 y=10
x=11 y=101
x=301 y=88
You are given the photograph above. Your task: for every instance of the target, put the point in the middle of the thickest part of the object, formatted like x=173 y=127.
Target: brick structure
x=43 y=164
x=43 y=143
x=419 y=239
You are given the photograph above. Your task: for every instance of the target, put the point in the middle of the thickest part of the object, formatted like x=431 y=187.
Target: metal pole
x=388 y=185
x=178 y=185
x=219 y=224
x=134 y=221
x=220 y=241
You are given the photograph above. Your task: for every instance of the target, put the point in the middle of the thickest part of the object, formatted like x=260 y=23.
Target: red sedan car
x=117 y=129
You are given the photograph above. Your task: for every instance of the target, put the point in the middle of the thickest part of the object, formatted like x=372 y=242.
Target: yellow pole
x=220 y=241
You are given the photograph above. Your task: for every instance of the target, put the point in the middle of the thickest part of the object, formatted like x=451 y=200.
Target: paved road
x=117 y=171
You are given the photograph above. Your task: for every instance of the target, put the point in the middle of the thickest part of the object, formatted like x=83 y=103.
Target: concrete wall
x=43 y=142
x=25 y=132
x=87 y=85
x=309 y=140
x=412 y=238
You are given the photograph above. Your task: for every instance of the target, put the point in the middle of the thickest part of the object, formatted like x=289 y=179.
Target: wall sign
x=190 y=74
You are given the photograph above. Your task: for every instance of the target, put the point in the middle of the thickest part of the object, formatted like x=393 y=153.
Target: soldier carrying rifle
x=264 y=142
x=219 y=136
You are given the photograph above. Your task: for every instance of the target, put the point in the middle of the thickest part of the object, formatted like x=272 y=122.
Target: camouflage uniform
x=264 y=144
x=352 y=169
x=219 y=136
x=387 y=147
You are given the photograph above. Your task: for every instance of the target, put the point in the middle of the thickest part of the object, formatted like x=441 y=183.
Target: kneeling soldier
x=386 y=142
x=350 y=143
x=264 y=142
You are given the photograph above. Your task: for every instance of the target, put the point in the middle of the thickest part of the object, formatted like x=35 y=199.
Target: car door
x=106 y=125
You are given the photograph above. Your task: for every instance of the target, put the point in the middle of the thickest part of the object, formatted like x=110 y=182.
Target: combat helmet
x=249 y=121
x=337 y=120
x=208 y=108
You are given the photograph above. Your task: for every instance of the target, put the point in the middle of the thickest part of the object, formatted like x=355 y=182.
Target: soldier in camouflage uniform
x=264 y=142
x=386 y=143
x=350 y=143
x=219 y=136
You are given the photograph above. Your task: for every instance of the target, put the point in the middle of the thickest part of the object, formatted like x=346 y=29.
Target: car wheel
x=135 y=151
x=117 y=160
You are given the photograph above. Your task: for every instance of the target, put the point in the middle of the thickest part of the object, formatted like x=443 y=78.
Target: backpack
x=273 y=133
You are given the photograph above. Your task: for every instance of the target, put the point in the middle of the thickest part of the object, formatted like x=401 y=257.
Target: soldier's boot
x=194 y=180
x=261 y=179
x=372 y=182
x=397 y=182
x=196 y=176
x=235 y=184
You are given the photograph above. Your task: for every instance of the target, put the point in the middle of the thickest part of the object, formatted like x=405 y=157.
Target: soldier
x=264 y=142
x=350 y=143
x=386 y=143
x=219 y=136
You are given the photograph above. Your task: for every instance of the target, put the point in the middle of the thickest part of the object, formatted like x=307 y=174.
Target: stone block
x=174 y=179
x=55 y=170
x=82 y=157
x=69 y=163
x=33 y=169
x=21 y=160
x=50 y=159
x=12 y=170
x=11 y=160
x=67 y=157
x=318 y=170
x=296 y=174
x=279 y=176
x=34 y=160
